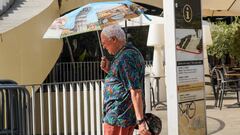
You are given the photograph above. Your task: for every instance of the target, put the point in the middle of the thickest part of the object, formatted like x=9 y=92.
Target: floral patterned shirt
x=126 y=72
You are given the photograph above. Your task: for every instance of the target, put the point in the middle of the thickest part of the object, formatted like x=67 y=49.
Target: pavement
x=219 y=122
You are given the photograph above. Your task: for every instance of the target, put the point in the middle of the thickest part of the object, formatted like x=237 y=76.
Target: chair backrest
x=220 y=75
x=216 y=75
x=225 y=71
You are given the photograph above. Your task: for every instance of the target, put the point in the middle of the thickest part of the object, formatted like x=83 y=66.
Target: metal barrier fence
x=15 y=116
x=75 y=71
x=78 y=71
x=56 y=108
x=71 y=108
x=67 y=108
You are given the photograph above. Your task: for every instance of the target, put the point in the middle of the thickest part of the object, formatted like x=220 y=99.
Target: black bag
x=154 y=123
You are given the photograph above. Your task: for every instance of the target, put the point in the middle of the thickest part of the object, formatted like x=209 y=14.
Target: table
x=236 y=68
x=232 y=74
x=156 y=101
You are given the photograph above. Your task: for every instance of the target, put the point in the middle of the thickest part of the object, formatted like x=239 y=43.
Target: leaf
x=225 y=40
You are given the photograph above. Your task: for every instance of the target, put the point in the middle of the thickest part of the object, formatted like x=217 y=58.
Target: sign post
x=184 y=67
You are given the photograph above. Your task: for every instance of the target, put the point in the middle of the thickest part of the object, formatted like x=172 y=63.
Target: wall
x=24 y=56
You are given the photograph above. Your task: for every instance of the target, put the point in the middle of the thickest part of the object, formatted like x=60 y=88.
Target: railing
x=15 y=116
x=78 y=71
x=75 y=71
x=67 y=108
x=5 y=5
x=58 y=108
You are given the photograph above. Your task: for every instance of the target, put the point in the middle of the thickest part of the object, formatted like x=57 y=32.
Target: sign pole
x=170 y=67
x=184 y=67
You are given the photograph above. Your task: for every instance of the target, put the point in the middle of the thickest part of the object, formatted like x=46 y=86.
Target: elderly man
x=124 y=85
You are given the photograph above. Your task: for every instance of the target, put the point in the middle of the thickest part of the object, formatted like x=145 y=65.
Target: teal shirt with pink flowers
x=126 y=72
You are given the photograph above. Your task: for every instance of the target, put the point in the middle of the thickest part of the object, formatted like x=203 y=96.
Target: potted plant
x=226 y=41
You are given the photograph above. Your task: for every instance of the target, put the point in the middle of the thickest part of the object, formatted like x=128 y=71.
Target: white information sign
x=190 y=72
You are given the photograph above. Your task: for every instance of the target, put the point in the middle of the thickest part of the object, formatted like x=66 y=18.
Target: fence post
x=98 y=108
x=79 y=110
x=57 y=109
x=92 y=110
x=72 y=109
x=65 y=110
x=86 y=107
x=49 y=110
x=147 y=93
x=42 y=110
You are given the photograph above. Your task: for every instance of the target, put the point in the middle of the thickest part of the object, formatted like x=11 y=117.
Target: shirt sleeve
x=130 y=71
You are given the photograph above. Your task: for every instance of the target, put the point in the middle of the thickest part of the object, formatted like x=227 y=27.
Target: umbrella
x=93 y=17
x=212 y=7
x=221 y=7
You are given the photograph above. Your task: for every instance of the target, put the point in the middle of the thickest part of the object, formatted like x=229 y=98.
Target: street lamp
x=156 y=39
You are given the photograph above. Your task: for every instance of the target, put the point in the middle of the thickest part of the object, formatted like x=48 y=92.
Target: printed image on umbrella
x=93 y=17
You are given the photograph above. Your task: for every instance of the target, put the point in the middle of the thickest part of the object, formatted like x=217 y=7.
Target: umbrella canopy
x=142 y=20
x=221 y=7
x=212 y=7
x=92 y=17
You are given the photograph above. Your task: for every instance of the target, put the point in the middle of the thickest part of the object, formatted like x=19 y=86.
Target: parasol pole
x=70 y=50
x=126 y=31
x=99 y=41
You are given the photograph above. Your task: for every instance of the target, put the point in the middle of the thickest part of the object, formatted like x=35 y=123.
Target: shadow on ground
x=218 y=125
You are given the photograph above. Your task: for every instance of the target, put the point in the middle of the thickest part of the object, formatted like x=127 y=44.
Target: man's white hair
x=114 y=31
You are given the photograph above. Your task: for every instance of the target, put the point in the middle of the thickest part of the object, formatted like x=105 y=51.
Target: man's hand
x=105 y=63
x=136 y=96
x=143 y=129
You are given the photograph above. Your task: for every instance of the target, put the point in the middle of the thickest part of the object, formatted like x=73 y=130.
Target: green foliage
x=83 y=55
x=225 y=40
x=235 y=47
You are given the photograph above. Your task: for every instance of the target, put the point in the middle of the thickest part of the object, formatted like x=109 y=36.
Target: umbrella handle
x=149 y=19
x=99 y=41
